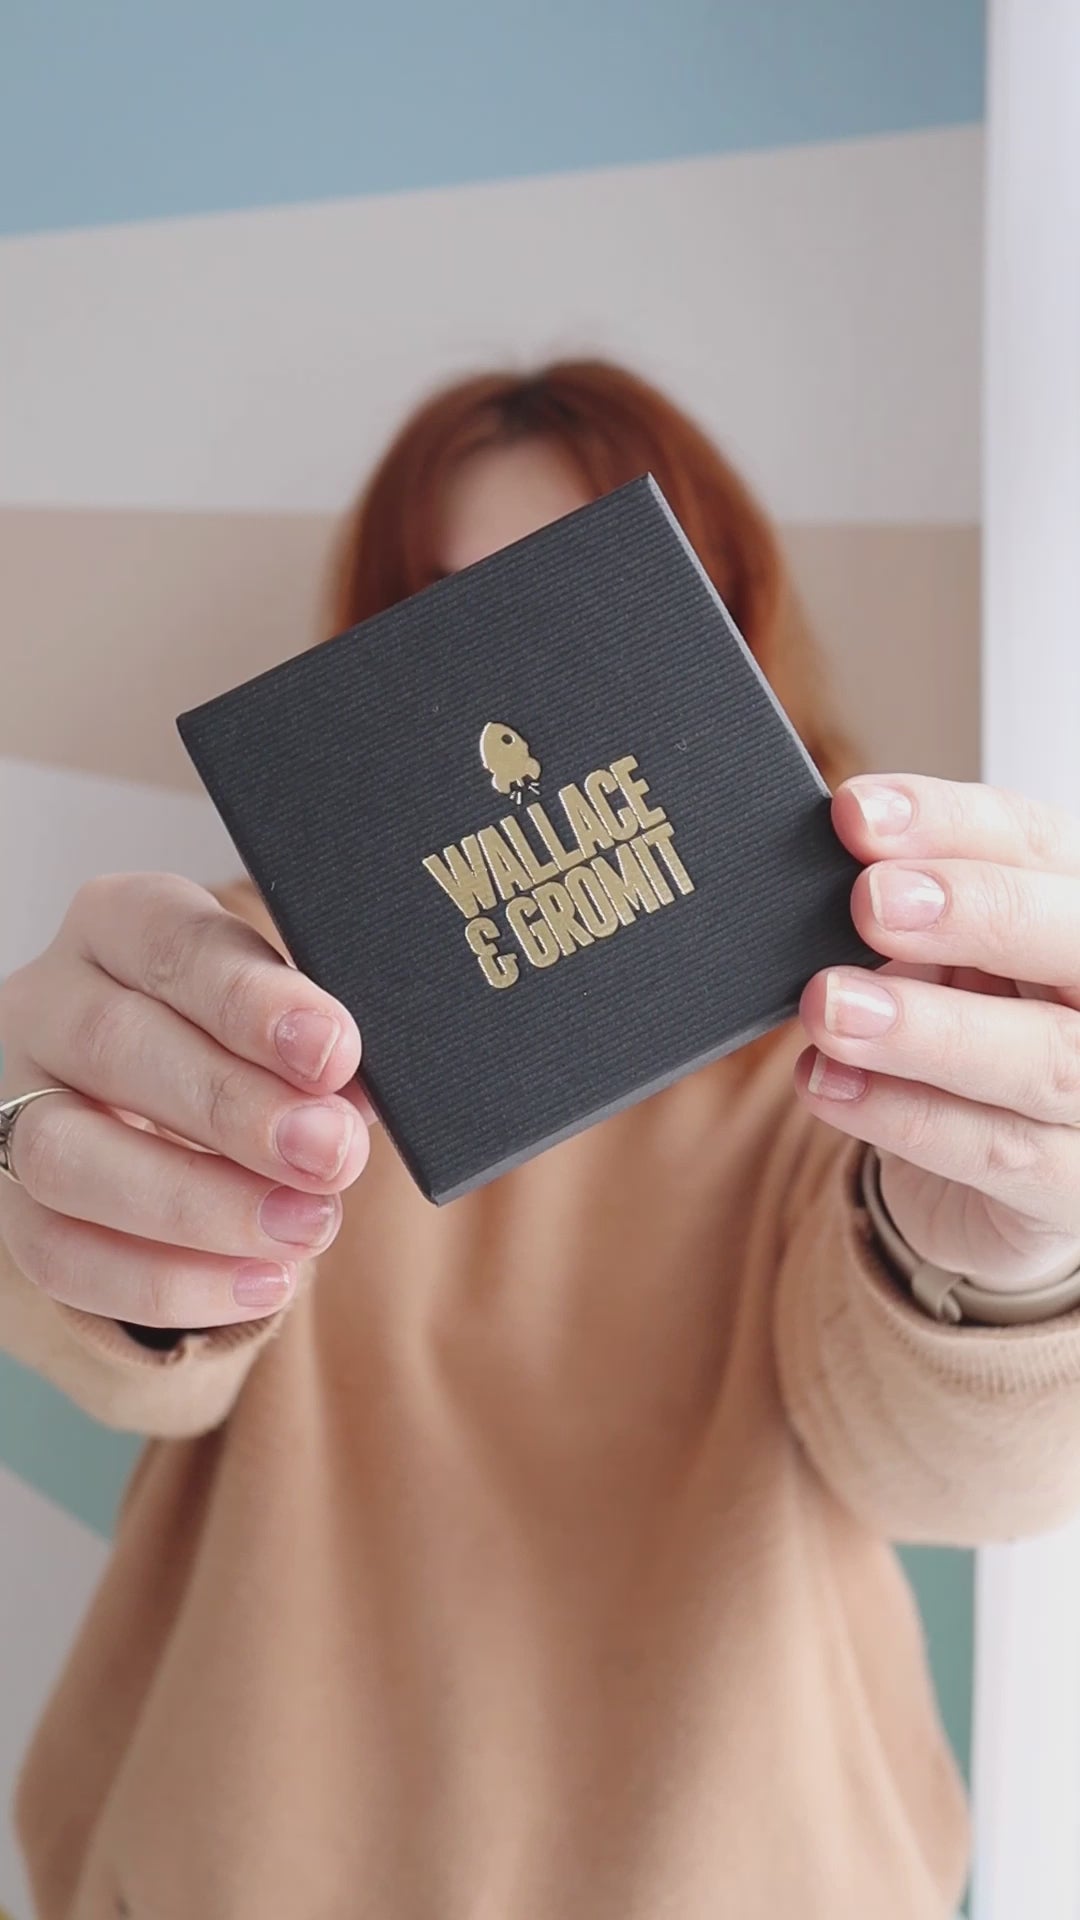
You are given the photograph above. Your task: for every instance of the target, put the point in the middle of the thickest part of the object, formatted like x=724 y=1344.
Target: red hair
x=611 y=426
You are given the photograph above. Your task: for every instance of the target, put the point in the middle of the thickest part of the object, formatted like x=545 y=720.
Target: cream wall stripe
x=818 y=305
x=115 y=622
x=897 y=609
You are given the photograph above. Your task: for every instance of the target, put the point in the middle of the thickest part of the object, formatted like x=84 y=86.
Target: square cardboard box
x=543 y=828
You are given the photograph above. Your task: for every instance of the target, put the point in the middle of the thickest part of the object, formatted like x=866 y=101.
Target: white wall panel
x=58 y=829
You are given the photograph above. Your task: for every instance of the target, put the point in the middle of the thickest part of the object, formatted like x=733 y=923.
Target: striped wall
x=128 y=112
x=240 y=242
x=193 y=401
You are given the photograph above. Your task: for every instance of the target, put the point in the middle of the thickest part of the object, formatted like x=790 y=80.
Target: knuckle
x=1001 y=900
x=183 y=1214
x=1013 y=1153
x=1057 y=1090
x=160 y=1295
x=97 y=899
x=45 y=1254
x=1038 y=828
x=226 y=1099
x=915 y=1130
x=240 y=995
x=101 y=1026
x=956 y=802
x=169 y=944
x=91 y=895
x=41 y=1147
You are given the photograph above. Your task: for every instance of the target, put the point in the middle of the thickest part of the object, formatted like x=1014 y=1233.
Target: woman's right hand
x=156 y=1003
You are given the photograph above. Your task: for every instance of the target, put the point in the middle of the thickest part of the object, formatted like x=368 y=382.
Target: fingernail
x=831 y=1081
x=316 y=1139
x=305 y=1040
x=300 y=1219
x=859 y=1009
x=257 y=1285
x=905 y=902
x=884 y=809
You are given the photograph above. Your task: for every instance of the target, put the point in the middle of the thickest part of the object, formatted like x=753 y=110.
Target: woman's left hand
x=961 y=1060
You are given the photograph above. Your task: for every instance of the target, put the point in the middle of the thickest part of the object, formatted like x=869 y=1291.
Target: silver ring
x=9 y=1113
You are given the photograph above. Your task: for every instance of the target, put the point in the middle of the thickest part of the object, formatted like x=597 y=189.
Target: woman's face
x=502 y=493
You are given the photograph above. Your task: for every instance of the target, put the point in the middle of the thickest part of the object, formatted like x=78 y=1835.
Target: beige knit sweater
x=532 y=1565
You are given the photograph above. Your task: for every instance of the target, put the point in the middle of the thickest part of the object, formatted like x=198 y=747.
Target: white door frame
x=1027 y=1664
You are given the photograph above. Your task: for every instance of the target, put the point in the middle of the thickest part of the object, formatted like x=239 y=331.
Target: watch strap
x=953 y=1297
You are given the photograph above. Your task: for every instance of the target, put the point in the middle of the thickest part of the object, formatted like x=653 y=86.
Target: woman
x=526 y=1559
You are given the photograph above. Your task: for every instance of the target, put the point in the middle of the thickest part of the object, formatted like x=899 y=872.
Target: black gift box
x=544 y=830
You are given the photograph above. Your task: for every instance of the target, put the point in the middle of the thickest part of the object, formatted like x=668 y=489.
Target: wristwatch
x=952 y=1297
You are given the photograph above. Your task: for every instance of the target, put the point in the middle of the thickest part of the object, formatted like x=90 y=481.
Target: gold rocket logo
x=558 y=886
x=505 y=755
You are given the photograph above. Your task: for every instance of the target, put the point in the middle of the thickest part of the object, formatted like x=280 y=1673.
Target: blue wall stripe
x=58 y=1450
x=126 y=111
x=944 y=1583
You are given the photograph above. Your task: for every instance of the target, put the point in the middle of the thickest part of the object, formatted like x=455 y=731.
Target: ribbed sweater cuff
x=111 y=1341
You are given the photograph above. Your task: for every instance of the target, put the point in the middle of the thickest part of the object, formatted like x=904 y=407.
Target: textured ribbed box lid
x=545 y=831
